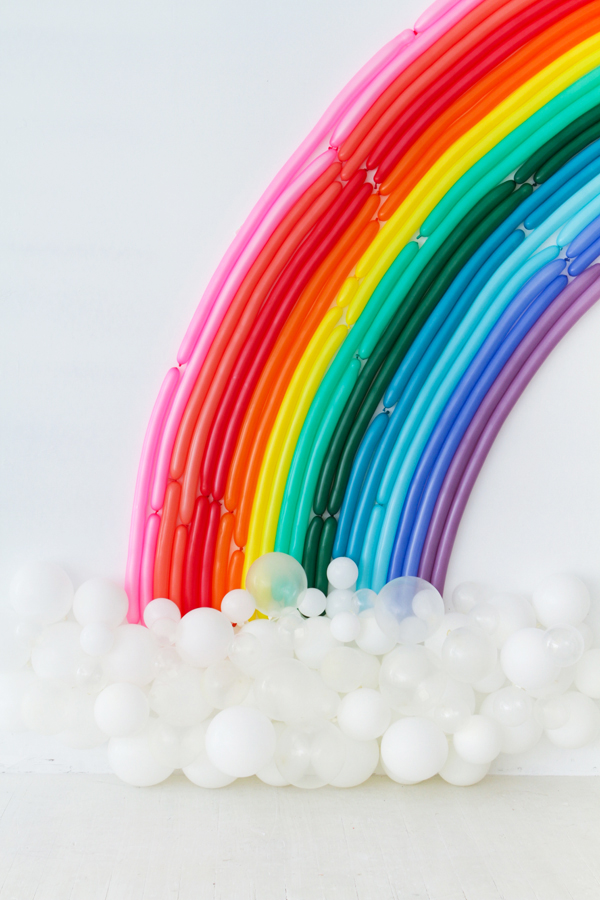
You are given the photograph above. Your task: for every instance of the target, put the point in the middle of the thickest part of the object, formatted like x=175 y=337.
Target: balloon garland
x=308 y=460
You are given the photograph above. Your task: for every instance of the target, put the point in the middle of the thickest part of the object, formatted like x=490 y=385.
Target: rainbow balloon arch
x=381 y=310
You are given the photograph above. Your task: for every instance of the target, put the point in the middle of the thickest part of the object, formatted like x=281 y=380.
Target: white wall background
x=136 y=137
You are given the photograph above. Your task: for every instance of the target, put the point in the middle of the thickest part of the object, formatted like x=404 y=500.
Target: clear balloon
x=132 y=760
x=276 y=581
x=341 y=669
x=238 y=606
x=551 y=712
x=339 y=601
x=201 y=771
x=204 y=636
x=270 y=774
x=58 y=654
x=312 y=602
x=42 y=593
x=397 y=614
x=485 y=617
x=342 y=573
x=512 y=614
x=561 y=600
x=467 y=595
x=260 y=642
x=414 y=749
x=225 y=685
x=371 y=638
x=174 y=746
x=449 y=623
x=461 y=773
x=510 y=706
x=313 y=641
x=310 y=755
x=363 y=715
x=286 y=690
x=565 y=645
x=362 y=599
x=401 y=672
x=582 y=725
x=240 y=741
x=121 y=709
x=359 y=764
x=100 y=601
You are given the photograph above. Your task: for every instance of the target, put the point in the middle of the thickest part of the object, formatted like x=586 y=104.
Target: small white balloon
x=100 y=600
x=479 y=740
x=132 y=656
x=342 y=573
x=204 y=636
x=132 y=761
x=587 y=674
x=363 y=715
x=42 y=593
x=414 y=749
x=238 y=605
x=565 y=645
x=160 y=608
x=525 y=660
x=240 y=741
x=121 y=709
x=582 y=725
x=345 y=627
x=561 y=600
x=96 y=639
x=312 y=602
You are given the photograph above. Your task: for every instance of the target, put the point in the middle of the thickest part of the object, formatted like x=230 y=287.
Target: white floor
x=78 y=837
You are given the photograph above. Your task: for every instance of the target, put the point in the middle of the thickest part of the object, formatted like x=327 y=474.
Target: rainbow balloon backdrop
x=381 y=310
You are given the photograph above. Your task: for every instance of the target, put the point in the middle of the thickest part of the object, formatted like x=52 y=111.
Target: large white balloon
x=132 y=761
x=100 y=601
x=41 y=592
x=525 y=660
x=414 y=749
x=240 y=741
x=204 y=636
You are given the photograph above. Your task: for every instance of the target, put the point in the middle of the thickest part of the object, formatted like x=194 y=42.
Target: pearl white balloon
x=466 y=595
x=360 y=763
x=342 y=573
x=204 y=636
x=121 y=709
x=178 y=697
x=479 y=740
x=525 y=660
x=276 y=581
x=338 y=602
x=285 y=690
x=587 y=674
x=561 y=600
x=461 y=773
x=14 y=651
x=310 y=755
x=132 y=761
x=238 y=605
x=225 y=685
x=160 y=608
x=58 y=653
x=414 y=749
x=201 y=771
x=41 y=592
x=313 y=641
x=100 y=600
x=512 y=614
x=240 y=741
x=96 y=639
x=371 y=638
x=363 y=715
x=582 y=726
x=312 y=602
x=341 y=669
x=468 y=654
x=132 y=656
x=345 y=627
x=401 y=672
x=12 y=690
